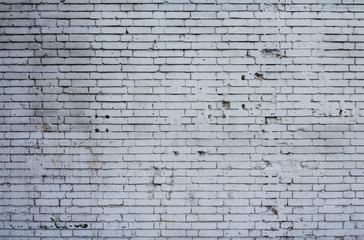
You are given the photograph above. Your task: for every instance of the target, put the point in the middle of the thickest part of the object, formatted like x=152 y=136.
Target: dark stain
x=107 y=130
x=242 y=77
x=44 y=227
x=96 y=116
x=243 y=106
x=81 y=225
x=273 y=209
x=56 y=225
x=175 y=153
x=97 y=130
x=107 y=116
x=340 y=112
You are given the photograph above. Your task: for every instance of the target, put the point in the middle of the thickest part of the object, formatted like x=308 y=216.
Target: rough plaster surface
x=182 y=119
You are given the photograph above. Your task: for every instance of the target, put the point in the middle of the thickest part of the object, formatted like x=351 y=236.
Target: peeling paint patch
x=273 y=53
x=46 y=127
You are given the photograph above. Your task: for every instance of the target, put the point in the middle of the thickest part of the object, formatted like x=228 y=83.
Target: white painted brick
x=195 y=119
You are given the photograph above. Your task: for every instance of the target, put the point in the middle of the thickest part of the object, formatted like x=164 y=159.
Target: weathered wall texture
x=182 y=119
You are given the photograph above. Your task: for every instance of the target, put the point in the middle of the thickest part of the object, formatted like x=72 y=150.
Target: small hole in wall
x=259 y=75
x=242 y=77
x=96 y=116
x=243 y=106
x=107 y=130
x=107 y=116
x=97 y=130
x=201 y=153
x=226 y=105
x=271 y=120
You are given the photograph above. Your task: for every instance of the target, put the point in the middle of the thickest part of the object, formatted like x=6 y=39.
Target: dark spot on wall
x=340 y=112
x=175 y=153
x=223 y=116
x=97 y=130
x=243 y=106
x=287 y=153
x=242 y=77
x=107 y=130
x=107 y=116
x=226 y=105
x=96 y=116
x=126 y=31
x=259 y=75
x=201 y=153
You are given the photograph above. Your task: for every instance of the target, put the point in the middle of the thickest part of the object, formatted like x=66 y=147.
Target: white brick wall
x=182 y=119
